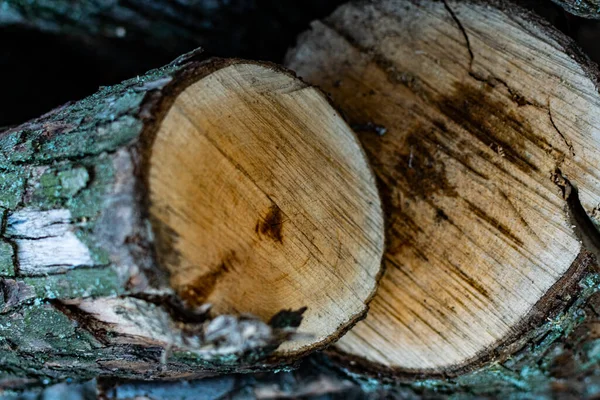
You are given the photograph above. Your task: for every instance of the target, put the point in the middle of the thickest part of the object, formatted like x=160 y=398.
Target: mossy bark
x=308 y=382
x=581 y=8
x=74 y=226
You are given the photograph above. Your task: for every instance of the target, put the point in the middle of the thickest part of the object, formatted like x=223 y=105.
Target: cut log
x=221 y=182
x=482 y=127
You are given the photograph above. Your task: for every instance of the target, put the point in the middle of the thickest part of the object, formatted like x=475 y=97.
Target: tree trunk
x=481 y=126
x=150 y=229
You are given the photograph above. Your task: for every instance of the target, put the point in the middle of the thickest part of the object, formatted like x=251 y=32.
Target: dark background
x=42 y=70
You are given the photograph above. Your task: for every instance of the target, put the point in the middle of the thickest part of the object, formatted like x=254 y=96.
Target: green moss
x=89 y=201
x=12 y=150
x=7 y=267
x=49 y=185
x=41 y=326
x=63 y=161
x=57 y=184
x=11 y=187
x=84 y=282
x=72 y=181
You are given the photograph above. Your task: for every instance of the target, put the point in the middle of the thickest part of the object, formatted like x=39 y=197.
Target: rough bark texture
x=582 y=8
x=74 y=227
x=559 y=360
x=308 y=382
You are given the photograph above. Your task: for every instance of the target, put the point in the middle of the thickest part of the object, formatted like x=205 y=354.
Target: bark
x=308 y=382
x=390 y=74
x=560 y=361
x=585 y=8
x=82 y=295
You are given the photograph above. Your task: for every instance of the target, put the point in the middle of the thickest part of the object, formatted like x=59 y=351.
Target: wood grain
x=486 y=115
x=262 y=200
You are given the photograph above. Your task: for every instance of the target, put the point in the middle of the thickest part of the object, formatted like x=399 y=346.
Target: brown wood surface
x=477 y=119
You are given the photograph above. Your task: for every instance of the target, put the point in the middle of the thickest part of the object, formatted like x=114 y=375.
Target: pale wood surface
x=266 y=199
x=482 y=112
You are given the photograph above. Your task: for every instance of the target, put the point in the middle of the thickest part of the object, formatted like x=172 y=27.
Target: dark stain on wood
x=199 y=290
x=440 y=216
x=404 y=232
x=492 y=122
x=271 y=225
x=470 y=281
x=494 y=222
x=418 y=171
x=165 y=244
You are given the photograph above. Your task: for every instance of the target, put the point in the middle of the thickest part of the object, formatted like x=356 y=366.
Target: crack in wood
x=569 y=145
x=463 y=31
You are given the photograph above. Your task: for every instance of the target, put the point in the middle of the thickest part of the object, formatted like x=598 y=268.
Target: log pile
x=221 y=216
x=164 y=219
